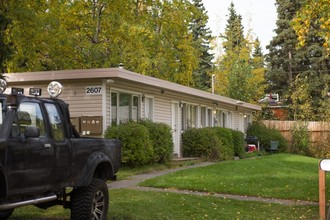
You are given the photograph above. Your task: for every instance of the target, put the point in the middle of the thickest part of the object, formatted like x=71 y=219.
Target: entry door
x=175 y=128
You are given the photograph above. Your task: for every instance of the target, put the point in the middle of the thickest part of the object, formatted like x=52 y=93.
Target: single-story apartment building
x=103 y=97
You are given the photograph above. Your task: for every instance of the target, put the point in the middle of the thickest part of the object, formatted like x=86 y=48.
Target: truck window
x=28 y=114
x=55 y=122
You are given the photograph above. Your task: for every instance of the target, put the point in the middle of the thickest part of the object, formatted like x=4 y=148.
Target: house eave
x=113 y=73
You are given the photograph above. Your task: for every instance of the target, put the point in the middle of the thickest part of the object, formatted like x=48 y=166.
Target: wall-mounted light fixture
x=109 y=81
x=143 y=97
x=180 y=104
x=162 y=91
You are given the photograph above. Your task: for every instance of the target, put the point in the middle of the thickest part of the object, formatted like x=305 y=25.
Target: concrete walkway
x=133 y=182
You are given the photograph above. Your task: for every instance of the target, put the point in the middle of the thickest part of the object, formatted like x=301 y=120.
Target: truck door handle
x=47 y=146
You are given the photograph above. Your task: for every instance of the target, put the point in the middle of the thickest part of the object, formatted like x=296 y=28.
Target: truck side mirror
x=31 y=132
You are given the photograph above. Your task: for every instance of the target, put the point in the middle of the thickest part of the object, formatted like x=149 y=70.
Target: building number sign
x=93 y=90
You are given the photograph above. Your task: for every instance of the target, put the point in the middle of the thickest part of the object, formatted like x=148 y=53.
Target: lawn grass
x=34 y=213
x=146 y=205
x=276 y=176
x=283 y=176
x=126 y=204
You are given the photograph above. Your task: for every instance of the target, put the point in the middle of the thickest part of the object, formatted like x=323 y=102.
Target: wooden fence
x=319 y=133
x=317 y=130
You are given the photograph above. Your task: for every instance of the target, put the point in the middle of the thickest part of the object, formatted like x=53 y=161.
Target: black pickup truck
x=44 y=161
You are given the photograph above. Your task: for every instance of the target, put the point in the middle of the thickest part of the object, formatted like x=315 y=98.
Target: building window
x=247 y=121
x=221 y=118
x=124 y=107
x=217 y=118
x=148 y=108
x=203 y=117
x=114 y=104
x=230 y=120
x=209 y=117
x=189 y=116
x=206 y=117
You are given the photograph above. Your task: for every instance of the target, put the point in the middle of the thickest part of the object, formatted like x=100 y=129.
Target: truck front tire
x=90 y=202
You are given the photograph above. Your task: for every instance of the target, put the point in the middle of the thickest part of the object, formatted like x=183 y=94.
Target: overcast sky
x=258 y=15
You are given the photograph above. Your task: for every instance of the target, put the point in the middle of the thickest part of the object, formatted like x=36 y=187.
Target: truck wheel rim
x=98 y=205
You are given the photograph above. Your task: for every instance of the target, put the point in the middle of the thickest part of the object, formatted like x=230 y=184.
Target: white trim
x=104 y=104
x=176 y=133
x=152 y=98
x=114 y=89
x=122 y=74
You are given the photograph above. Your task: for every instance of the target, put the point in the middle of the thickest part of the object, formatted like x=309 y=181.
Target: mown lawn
x=142 y=205
x=276 y=176
x=283 y=176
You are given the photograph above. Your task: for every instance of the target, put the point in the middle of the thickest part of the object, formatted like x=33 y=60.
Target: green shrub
x=239 y=143
x=265 y=135
x=202 y=142
x=300 y=139
x=225 y=135
x=162 y=140
x=136 y=144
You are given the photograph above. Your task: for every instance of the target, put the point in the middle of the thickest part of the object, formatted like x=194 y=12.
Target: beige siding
x=74 y=95
x=81 y=104
x=163 y=93
x=236 y=123
x=162 y=111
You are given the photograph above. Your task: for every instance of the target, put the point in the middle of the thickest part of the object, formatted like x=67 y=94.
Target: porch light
x=54 y=89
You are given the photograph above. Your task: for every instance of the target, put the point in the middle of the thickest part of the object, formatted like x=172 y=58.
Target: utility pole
x=213 y=81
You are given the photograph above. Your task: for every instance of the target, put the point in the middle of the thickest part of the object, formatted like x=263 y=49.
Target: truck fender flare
x=97 y=162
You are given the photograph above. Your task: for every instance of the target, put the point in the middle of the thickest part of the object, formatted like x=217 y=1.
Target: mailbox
x=91 y=125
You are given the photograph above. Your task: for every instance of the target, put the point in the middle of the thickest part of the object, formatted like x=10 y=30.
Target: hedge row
x=213 y=143
x=143 y=142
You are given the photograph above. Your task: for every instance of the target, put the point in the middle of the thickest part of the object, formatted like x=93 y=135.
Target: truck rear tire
x=6 y=214
x=90 y=202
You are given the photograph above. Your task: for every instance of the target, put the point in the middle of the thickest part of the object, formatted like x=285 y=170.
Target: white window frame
x=132 y=95
x=207 y=116
x=184 y=112
x=151 y=100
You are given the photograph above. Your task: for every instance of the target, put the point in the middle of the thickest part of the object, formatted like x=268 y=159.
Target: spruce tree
x=287 y=62
x=282 y=56
x=201 y=39
x=239 y=75
x=234 y=33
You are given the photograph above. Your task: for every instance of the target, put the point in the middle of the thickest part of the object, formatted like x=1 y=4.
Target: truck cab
x=42 y=156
